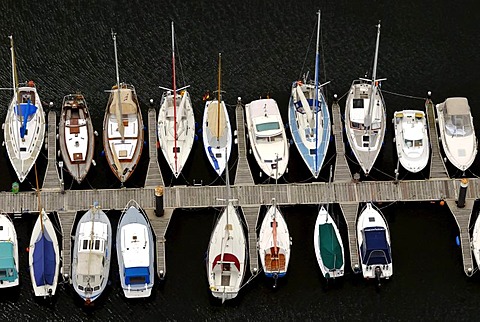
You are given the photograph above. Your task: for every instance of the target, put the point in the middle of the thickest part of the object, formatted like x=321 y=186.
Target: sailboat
x=217 y=133
x=274 y=243
x=267 y=137
x=365 y=117
x=328 y=246
x=135 y=252
x=122 y=127
x=309 y=118
x=76 y=139
x=44 y=257
x=24 y=128
x=226 y=254
x=8 y=253
x=374 y=244
x=457 y=133
x=411 y=139
x=91 y=254
x=176 y=123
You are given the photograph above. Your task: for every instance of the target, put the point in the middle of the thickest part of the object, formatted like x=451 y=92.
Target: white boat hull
x=24 y=151
x=274 y=247
x=460 y=149
x=218 y=146
x=324 y=218
x=310 y=129
x=227 y=251
x=91 y=254
x=8 y=242
x=135 y=253
x=411 y=139
x=375 y=257
x=267 y=137
x=176 y=147
x=365 y=144
x=48 y=288
x=475 y=242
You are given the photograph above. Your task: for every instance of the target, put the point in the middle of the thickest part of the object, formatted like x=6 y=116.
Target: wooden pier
x=250 y=197
x=437 y=166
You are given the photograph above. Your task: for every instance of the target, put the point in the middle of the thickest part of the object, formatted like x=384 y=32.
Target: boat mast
x=317 y=63
x=218 y=95
x=118 y=110
x=174 y=98
x=368 y=119
x=14 y=71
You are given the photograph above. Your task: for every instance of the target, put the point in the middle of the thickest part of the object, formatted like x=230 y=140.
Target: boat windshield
x=266 y=139
x=413 y=143
x=458 y=125
x=268 y=126
x=357 y=126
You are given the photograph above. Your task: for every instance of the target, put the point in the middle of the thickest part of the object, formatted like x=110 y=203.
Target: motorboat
x=217 y=132
x=411 y=139
x=328 y=246
x=122 y=128
x=92 y=251
x=457 y=133
x=9 y=273
x=176 y=123
x=274 y=243
x=24 y=127
x=76 y=136
x=135 y=252
x=44 y=257
x=365 y=117
x=267 y=137
x=309 y=118
x=374 y=244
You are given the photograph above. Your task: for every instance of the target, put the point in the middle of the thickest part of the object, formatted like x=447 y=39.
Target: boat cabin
x=8 y=270
x=375 y=249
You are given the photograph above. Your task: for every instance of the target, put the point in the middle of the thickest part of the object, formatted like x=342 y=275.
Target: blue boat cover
x=375 y=250
x=25 y=110
x=137 y=275
x=212 y=156
x=8 y=270
x=44 y=262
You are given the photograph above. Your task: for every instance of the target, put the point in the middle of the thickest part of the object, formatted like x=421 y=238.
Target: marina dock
x=348 y=193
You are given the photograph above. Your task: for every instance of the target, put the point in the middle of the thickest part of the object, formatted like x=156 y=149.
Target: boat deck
x=342 y=190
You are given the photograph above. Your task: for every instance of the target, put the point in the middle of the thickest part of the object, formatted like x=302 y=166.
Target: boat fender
x=158 y=144
x=94 y=163
x=457 y=240
x=58 y=135
x=195 y=138
x=46 y=146
x=58 y=153
x=144 y=143
x=102 y=153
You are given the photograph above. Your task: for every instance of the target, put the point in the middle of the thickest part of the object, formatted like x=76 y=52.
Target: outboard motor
x=378 y=274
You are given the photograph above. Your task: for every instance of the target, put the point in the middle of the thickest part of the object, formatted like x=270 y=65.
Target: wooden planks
x=243 y=175
x=67 y=218
x=251 y=216
x=154 y=175
x=52 y=178
x=350 y=212
x=342 y=171
x=437 y=167
x=462 y=216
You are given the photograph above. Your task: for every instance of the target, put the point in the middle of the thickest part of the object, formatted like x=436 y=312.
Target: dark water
x=65 y=46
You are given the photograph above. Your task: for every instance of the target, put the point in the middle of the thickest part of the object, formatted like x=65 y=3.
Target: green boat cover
x=8 y=271
x=330 y=248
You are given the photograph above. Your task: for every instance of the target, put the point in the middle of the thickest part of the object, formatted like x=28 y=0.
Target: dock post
x=159 y=201
x=463 y=193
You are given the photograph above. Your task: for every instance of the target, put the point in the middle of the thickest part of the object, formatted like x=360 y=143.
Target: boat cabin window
x=137 y=280
x=357 y=103
x=376 y=126
x=413 y=143
x=357 y=126
x=6 y=272
x=92 y=244
x=458 y=125
x=268 y=126
x=265 y=139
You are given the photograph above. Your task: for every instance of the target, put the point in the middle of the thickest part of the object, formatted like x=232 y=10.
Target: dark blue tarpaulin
x=44 y=261
x=25 y=110
x=137 y=275
x=375 y=249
